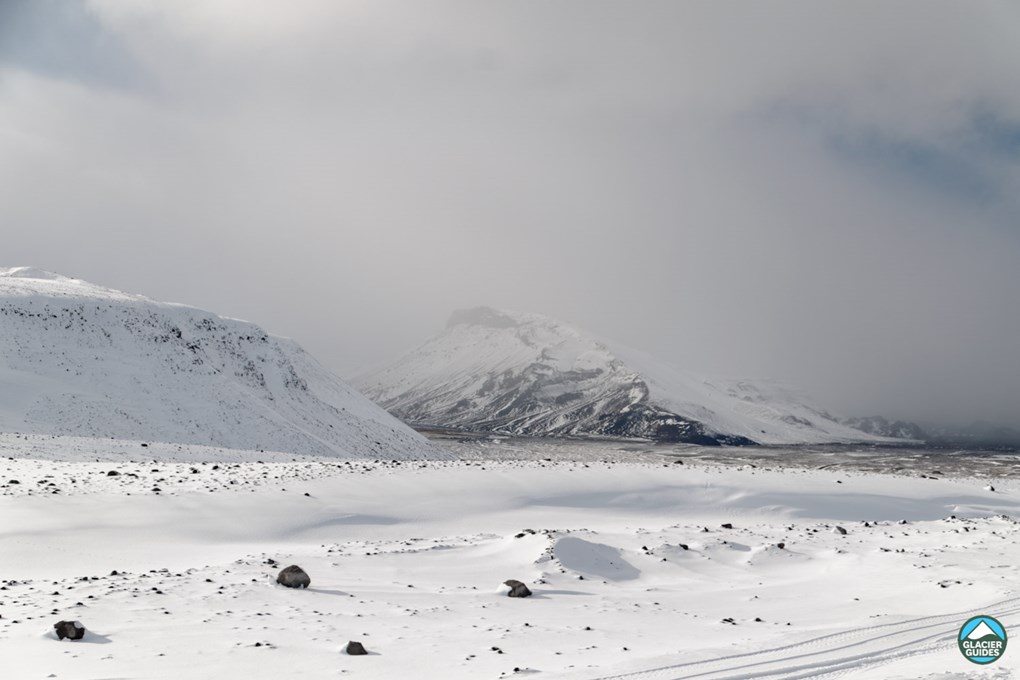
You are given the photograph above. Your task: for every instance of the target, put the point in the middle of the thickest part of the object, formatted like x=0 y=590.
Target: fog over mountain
x=825 y=195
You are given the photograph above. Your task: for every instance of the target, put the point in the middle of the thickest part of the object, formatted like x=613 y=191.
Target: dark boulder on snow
x=517 y=589
x=294 y=577
x=72 y=630
x=356 y=649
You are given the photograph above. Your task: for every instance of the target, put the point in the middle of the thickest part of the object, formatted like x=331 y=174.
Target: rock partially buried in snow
x=517 y=589
x=356 y=649
x=72 y=630
x=294 y=577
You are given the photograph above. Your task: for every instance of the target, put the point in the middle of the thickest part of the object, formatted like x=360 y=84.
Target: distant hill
x=977 y=435
x=898 y=429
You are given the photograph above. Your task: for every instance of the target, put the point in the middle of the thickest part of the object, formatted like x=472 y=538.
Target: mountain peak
x=482 y=316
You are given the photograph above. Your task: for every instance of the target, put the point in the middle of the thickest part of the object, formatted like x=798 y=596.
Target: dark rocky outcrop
x=517 y=589
x=70 y=630
x=294 y=577
x=356 y=649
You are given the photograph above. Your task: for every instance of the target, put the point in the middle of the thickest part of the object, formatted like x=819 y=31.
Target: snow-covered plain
x=633 y=573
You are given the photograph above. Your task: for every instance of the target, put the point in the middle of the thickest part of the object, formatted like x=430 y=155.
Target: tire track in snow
x=832 y=655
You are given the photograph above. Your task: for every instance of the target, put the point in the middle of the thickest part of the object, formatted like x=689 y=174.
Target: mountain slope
x=527 y=374
x=897 y=429
x=79 y=359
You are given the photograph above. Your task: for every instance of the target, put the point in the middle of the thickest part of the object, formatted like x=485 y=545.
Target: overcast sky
x=824 y=193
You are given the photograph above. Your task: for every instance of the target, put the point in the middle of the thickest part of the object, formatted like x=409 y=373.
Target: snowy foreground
x=408 y=557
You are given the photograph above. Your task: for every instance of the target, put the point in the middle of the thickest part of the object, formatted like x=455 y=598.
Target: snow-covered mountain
x=897 y=429
x=79 y=359
x=498 y=371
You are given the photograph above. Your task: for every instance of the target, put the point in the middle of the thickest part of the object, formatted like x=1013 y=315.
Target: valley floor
x=633 y=573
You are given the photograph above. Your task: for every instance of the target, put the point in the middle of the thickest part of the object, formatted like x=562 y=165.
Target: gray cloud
x=63 y=40
x=825 y=195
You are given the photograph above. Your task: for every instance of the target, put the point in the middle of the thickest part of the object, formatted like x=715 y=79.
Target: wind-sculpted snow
x=526 y=374
x=81 y=360
x=639 y=567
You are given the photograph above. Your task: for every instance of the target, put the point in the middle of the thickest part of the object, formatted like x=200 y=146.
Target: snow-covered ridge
x=494 y=370
x=32 y=273
x=83 y=360
x=31 y=281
